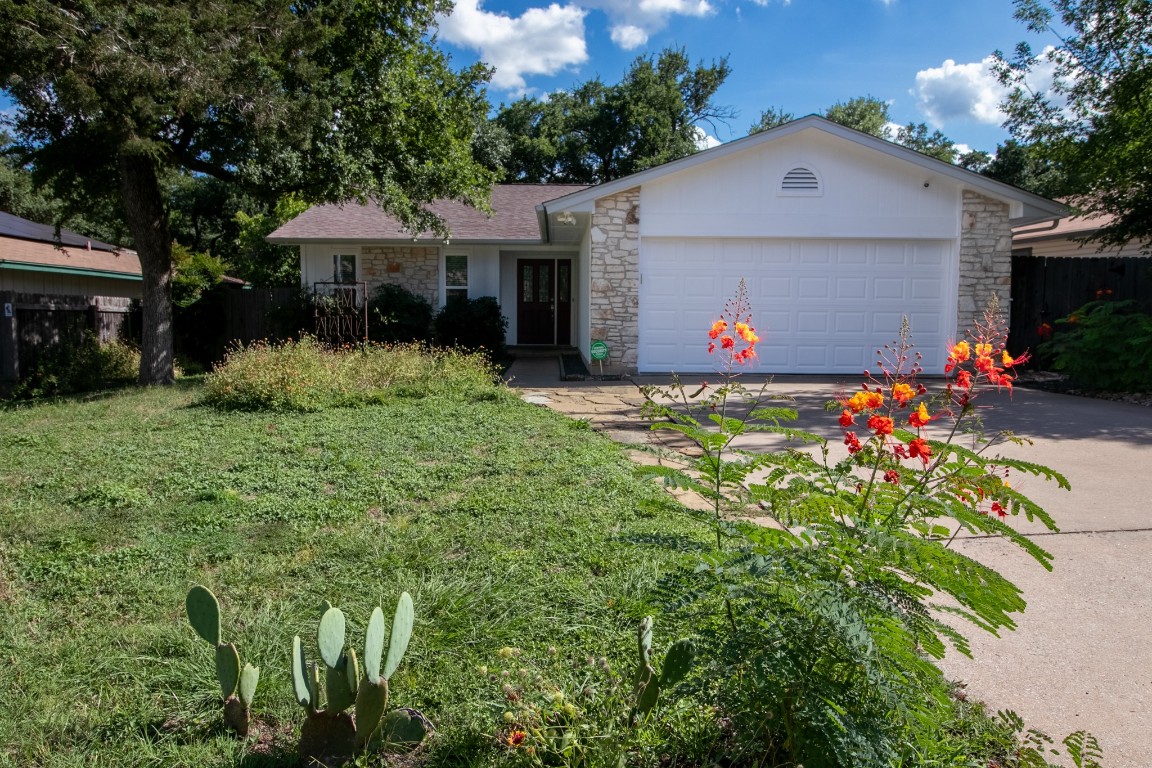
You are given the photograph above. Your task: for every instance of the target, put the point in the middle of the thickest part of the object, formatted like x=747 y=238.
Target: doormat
x=572 y=368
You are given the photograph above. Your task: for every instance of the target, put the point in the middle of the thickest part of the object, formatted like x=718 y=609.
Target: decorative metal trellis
x=341 y=312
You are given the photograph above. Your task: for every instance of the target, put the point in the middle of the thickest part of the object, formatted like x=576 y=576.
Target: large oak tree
x=595 y=132
x=333 y=99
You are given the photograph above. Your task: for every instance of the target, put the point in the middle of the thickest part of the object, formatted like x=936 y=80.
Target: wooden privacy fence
x=29 y=323
x=1045 y=289
x=228 y=315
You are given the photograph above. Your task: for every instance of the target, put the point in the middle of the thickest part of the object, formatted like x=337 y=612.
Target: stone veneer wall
x=417 y=268
x=614 y=271
x=985 y=258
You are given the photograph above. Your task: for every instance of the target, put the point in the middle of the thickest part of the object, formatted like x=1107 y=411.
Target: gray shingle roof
x=513 y=218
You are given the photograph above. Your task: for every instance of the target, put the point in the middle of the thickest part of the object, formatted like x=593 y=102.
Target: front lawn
x=509 y=525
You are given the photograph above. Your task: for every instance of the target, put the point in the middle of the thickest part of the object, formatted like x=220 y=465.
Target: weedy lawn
x=509 y=525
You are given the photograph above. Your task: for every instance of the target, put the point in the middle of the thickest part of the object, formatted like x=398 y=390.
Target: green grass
x=508 y=525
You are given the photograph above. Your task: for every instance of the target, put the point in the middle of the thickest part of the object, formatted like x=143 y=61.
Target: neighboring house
x=838 y=234
x=1053 y=275
x=1059 y=240
x=35 y=260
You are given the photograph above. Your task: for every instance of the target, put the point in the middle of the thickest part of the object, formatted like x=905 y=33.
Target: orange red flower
x=865 y=400
x=881 y=425
x=919 y=448
x=852 y=442
x=718 y=328
x=919 y=417
x=902 y=393
x=846 y=418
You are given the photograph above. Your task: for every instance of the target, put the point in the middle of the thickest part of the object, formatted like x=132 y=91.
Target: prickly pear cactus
x=237 y=686
x=650 y=683
x=330 y=735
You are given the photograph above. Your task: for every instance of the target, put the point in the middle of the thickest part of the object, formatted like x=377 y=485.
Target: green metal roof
x=22 y=266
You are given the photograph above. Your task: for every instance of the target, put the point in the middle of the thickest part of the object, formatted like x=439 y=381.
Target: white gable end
x=862 y=193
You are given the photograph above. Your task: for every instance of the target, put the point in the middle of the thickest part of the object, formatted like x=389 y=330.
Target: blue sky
x=927 y=58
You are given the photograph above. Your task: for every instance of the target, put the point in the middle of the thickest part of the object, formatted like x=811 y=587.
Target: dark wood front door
x=536 y=301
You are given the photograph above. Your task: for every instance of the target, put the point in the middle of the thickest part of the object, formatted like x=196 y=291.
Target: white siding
x=863 y=194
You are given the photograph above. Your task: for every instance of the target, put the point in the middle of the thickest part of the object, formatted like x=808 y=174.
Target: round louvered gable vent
x=800 y=181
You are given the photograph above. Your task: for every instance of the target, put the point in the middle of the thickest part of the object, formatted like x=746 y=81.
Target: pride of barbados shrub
x=828 y=610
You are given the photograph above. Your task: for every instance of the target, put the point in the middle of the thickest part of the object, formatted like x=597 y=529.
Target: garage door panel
x=890 y=288
x=812 y=322
x=932 y=288
x=813 y=288
x=851 y=287
x=850 y=322
x=849 y=358
x=815 y=253
x=819 y=306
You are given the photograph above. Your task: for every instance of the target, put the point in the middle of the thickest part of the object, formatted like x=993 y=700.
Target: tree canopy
x=870 y=115
x=594 y=132
x=334 y=99
x=1091 y=124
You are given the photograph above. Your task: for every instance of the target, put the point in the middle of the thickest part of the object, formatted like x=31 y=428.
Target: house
x=35 y=260
x=1054 y=274
x=52 y=282
x=838 y=234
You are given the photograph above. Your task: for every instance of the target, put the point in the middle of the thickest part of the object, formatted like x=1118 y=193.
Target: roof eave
x=1033 y=208
x=24 y=266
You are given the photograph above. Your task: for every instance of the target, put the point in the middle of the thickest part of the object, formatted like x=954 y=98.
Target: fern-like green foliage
x=826 y=621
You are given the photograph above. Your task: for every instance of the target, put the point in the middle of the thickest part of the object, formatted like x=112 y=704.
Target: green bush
x=305 y=375
x=1104 y=345
x=396 y=314
x=472 y=324
x=79 y=362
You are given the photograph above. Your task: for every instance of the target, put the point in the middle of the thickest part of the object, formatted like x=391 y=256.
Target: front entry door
x=536 y=301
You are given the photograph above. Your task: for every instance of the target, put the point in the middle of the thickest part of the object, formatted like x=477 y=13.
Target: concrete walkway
x=1081 y=657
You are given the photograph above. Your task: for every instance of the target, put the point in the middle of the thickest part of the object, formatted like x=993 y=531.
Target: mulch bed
x=1054 y=382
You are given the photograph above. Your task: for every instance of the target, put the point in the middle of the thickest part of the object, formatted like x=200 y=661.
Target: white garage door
x=819 y=306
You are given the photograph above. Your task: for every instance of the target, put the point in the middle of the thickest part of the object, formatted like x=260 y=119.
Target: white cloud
x=954 y=90
x=541 y=41
x=632 y=22
x=546 y=40
x=628 y=37
x=704 y=140
x=971 y=91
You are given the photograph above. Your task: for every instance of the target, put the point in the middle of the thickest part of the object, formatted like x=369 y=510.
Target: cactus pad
x=340 y=695
x=401 y=634
x=371 y=701
x=405 y=727
x=227 y=669
x=249 y=679
x=330 y=637
x=352 y=669
x=677 y=662
x=300 y=675
x=644 y=640
x=374 y=645
x=204 y=613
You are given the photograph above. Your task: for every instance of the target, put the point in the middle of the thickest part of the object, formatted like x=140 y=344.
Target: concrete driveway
x=1081 y=657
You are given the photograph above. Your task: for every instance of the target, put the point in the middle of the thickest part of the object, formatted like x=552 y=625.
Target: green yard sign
x=598 y=350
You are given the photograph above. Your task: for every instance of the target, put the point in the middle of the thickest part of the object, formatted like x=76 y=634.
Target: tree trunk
x=147 y=219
